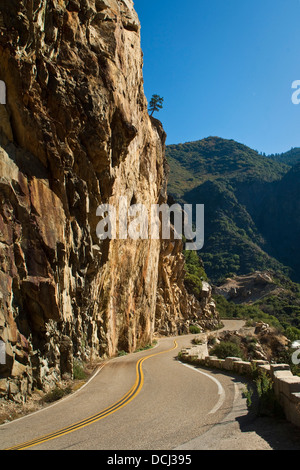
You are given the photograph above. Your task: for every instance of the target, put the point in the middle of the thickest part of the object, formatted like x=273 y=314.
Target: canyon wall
x=75 y=133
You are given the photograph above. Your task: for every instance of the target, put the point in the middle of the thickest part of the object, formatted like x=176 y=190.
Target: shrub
x=78 y=370
x=226 y=349
x=180 y=354
x=211 y=340
x=56 y=394
x=194 y=273
x=144 y=348
x=195 y=329
x=122 y=353
x=268 y=403
x=292 y=333
x=247 y=393
x=197 y=341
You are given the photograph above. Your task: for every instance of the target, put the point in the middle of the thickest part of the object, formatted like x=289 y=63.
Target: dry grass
x=10 y=410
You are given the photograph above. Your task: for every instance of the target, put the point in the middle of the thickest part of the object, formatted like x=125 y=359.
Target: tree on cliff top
x=155 y=104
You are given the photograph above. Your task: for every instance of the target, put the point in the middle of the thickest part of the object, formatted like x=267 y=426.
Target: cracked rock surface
x=75 y=133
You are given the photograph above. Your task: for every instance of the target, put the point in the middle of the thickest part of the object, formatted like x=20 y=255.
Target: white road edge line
x=56 y=403
x=236 y=392
x=221 y=391
x=68 y=396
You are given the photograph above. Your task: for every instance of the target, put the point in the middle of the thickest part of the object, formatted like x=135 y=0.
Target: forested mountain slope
x=251 y=205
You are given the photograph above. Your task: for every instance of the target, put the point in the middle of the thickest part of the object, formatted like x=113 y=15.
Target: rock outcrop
x=176 y=308
x=260 y=343
x=75 y=133
x=248 y=288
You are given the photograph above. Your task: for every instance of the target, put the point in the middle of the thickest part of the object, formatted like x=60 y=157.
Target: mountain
x=279 y=220
x=292 y=157
x=251 y=206
x=214 y=159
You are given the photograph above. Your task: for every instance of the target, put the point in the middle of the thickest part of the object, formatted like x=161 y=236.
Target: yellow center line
x=125 y=400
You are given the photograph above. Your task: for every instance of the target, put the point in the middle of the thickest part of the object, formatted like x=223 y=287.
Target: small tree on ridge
x=155 y=104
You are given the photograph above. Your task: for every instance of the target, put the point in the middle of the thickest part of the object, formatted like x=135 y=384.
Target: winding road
x=148 y=401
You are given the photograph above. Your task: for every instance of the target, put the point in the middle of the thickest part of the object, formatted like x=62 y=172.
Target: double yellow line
x=133 y=392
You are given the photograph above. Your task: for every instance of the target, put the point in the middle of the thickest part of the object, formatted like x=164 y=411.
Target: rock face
x=75 y=133
x=260 y=343
x=248 y=288
x=176 y=309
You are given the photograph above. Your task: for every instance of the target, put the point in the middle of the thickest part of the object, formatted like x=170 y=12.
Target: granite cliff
x=75 y=133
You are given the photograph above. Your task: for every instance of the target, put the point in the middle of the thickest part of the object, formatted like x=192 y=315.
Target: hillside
x=292 y=157
x=245 y=195
x=193 y=163
x=264 y=297
x=278 y=219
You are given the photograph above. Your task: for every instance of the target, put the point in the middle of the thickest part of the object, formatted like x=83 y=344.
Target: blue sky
x=225 y=68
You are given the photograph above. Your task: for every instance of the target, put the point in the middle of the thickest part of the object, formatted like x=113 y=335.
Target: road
x=143 y=401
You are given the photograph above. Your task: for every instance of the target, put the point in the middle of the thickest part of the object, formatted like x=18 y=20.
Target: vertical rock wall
x=75 y=133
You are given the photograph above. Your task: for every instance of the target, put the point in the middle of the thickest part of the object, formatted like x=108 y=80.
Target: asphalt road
x=142 y=401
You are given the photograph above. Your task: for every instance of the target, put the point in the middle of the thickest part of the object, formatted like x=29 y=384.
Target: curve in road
x=125 y=400
x=221 y=391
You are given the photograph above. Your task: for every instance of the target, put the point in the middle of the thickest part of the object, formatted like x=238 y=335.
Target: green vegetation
x=286 y=357
x=56 y=394
x=279 y=320
x=143 y=348
x=195 y=273
x=148 y=346
x=122 y=353
x=248 y=393
x=156 y=103
x=195 y=329
x=211 y=159
x=180 y=355
x=281 y=311
x=252 y=222
x=78 y=370
x=292 y=333
x=268 y=404
x=197 y=341
x=229 y=310
x=292 y=157
x=226 y=349
x=239 y=188
x=285 y=307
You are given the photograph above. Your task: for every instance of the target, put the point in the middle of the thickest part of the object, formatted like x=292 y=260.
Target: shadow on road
x=277 y=432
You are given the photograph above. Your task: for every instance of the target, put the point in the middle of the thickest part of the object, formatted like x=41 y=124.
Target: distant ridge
x=292 y=157
x=251 y=204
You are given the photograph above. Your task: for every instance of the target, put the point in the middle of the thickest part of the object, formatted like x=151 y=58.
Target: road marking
x=59 y=402
x=236 y=392
x=125 y=400
x=221 y=391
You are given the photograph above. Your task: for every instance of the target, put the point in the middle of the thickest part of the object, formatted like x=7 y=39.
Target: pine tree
x=155 y=104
